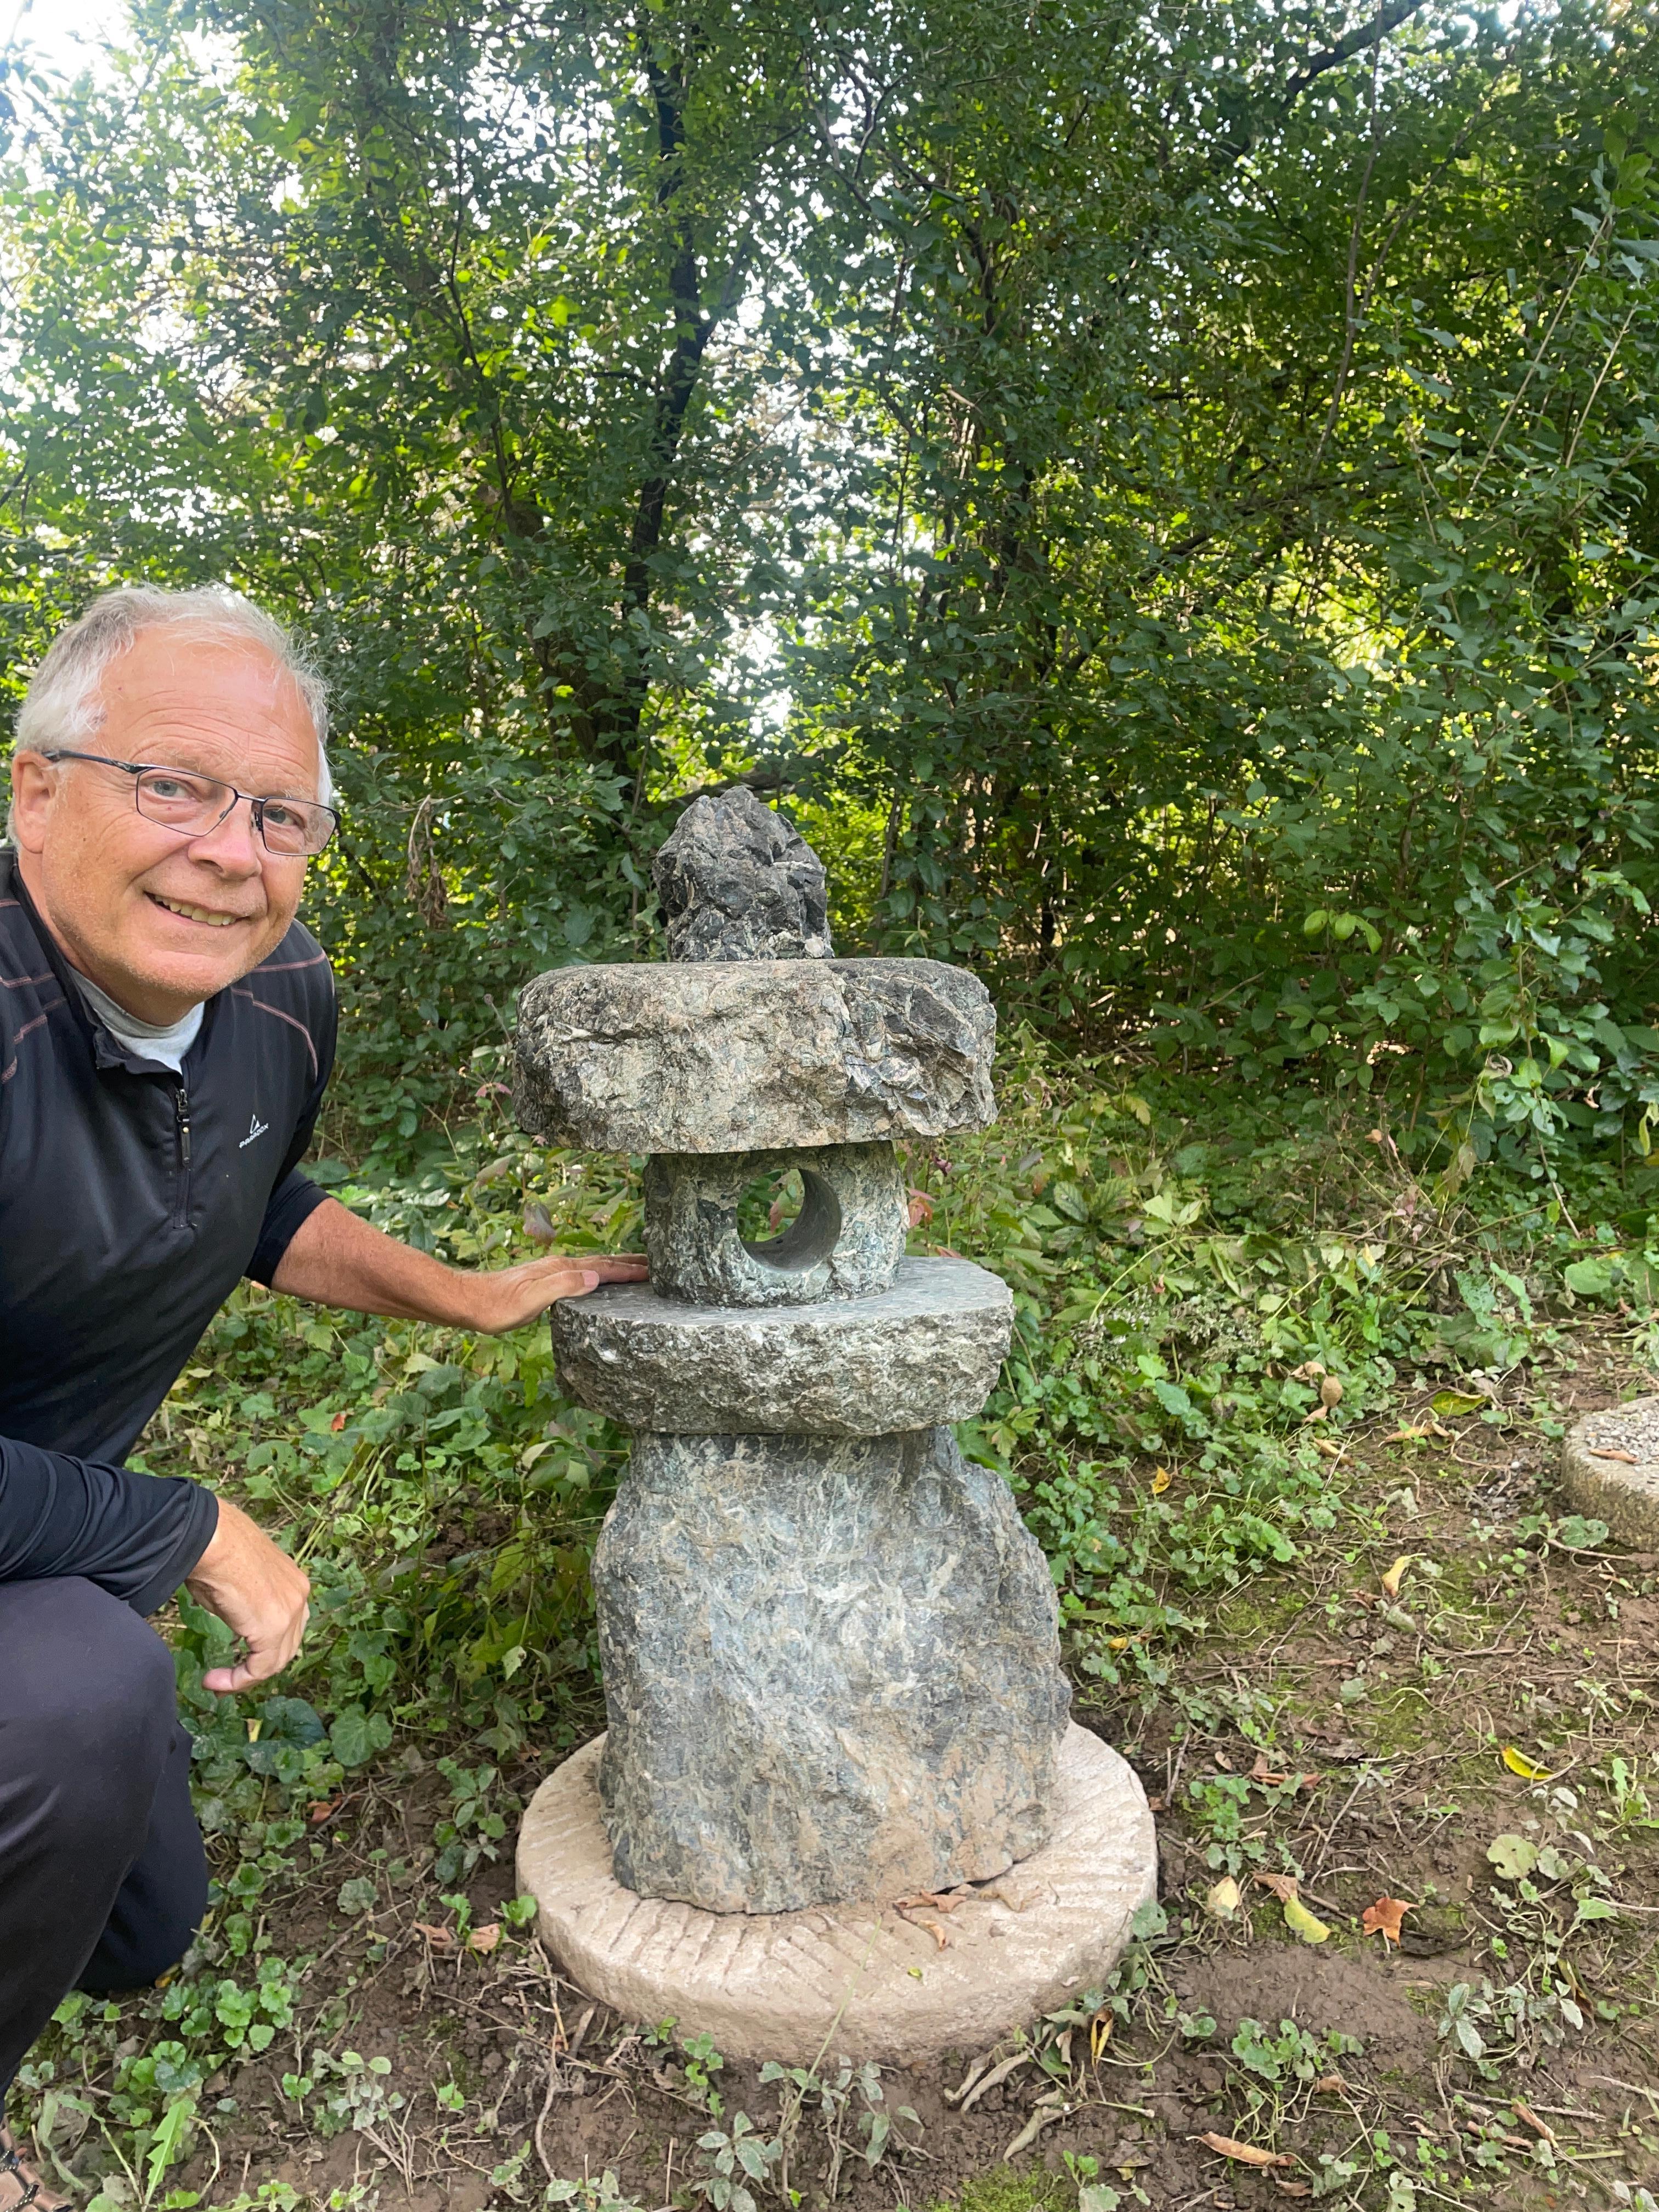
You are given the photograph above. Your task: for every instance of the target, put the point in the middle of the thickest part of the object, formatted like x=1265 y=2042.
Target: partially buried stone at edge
x=830 y=1671
x=737 y=882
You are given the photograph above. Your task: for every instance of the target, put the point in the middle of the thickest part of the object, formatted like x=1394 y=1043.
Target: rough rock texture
x=845 y=1242
x=744 y=1057
x=1622 y=1491
x=926 y=1351
x=870 y=1983
x=831 y=1670
x=737 y=882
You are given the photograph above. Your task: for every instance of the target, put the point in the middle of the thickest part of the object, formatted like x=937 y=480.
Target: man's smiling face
x=159 y=921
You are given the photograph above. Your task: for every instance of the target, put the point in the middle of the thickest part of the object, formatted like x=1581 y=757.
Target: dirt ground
x=1378 y=1739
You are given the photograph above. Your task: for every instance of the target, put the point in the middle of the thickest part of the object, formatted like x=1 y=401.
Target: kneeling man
x=166 y=1031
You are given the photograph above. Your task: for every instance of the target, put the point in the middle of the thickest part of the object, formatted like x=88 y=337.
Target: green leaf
x=166 y=2144
x=1452 y=1403
x=1514 y=1856
x=1581 y=1532
x=355 y=1736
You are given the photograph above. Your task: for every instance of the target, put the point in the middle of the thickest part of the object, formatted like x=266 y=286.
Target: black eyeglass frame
x=257 y=806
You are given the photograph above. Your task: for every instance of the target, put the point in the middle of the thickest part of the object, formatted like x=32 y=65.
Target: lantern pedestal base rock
x=829 y=1670
x=872 y=1981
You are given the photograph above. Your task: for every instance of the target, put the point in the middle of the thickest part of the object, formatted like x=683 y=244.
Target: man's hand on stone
x=258 y=1592
x=338 y=1260
x=510 y=1296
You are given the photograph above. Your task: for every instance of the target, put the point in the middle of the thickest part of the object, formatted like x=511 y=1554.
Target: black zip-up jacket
x=131 y=1201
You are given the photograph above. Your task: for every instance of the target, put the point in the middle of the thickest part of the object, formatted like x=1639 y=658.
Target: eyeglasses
x=193 y=805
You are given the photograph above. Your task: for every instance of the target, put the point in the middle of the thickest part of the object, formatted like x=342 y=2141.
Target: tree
x=1165 y=490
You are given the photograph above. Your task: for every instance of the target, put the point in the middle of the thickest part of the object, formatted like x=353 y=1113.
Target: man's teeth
x=196 y=913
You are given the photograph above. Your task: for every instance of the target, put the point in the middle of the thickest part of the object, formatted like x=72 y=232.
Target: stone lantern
x=836 y=1713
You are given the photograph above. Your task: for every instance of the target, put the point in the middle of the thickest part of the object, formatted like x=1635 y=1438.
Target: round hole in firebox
x=790 y=1219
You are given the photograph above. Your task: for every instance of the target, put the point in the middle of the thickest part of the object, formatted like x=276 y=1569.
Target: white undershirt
x=167 y=1042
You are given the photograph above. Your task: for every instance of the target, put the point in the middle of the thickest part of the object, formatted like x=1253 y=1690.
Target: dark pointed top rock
x=737 y=882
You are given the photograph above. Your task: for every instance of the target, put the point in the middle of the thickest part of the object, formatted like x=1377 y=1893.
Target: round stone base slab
x=859 y=1979
x=1610 y=1468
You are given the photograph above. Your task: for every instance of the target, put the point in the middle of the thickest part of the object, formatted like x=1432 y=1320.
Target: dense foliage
x=1164 y=489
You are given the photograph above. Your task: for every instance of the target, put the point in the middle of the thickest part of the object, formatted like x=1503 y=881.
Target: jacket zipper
x=181 y=1116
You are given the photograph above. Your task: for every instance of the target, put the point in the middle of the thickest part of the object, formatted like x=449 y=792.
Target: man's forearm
x=136 y=1535
x=337 y=1260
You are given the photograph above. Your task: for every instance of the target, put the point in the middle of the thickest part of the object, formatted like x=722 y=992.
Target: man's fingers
x=576 y=1277
x=259 y=1663
x=258 y=1666
x=627 y=1268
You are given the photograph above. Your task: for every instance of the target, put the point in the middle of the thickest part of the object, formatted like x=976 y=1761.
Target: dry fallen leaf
x=1309 y=1371
x=441 y=1939
x=1332 y=2085
x=337 y=1423
x=1330 y=1393
x=1263 y=1773
x=921 y=1208
x=1293 y=2188
x=1224 y=1899
x=975 y=2087
x=1161 y=1481
x=1456 y=1403
x=1628 y=1458
x=1528 y=1769
x=1383 y=1918
x=1396 y=1574
x=1283 y=1886
x=1319 y=1413
x=484 y=1939
x=1305 y=1924
x=908 y=1907
x=1405 y=1437
x=538 y=1226
x=1046 y=2109
x=1538 y=2127
x=1246 y=2153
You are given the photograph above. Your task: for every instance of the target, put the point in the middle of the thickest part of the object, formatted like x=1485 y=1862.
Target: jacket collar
x=107 y=1051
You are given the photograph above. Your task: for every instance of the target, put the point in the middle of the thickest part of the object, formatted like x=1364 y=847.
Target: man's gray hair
x=60 y=707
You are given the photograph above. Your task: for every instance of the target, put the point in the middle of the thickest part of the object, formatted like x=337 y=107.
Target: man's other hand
x=506 y=1298
x=258 y=1592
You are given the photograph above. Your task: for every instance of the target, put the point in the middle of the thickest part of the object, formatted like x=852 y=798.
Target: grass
x=366 y=2018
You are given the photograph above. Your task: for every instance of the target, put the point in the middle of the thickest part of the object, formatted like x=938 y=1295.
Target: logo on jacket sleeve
x=256 y=1127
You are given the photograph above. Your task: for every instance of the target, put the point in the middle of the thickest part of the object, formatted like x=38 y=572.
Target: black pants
x=102 y=1876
